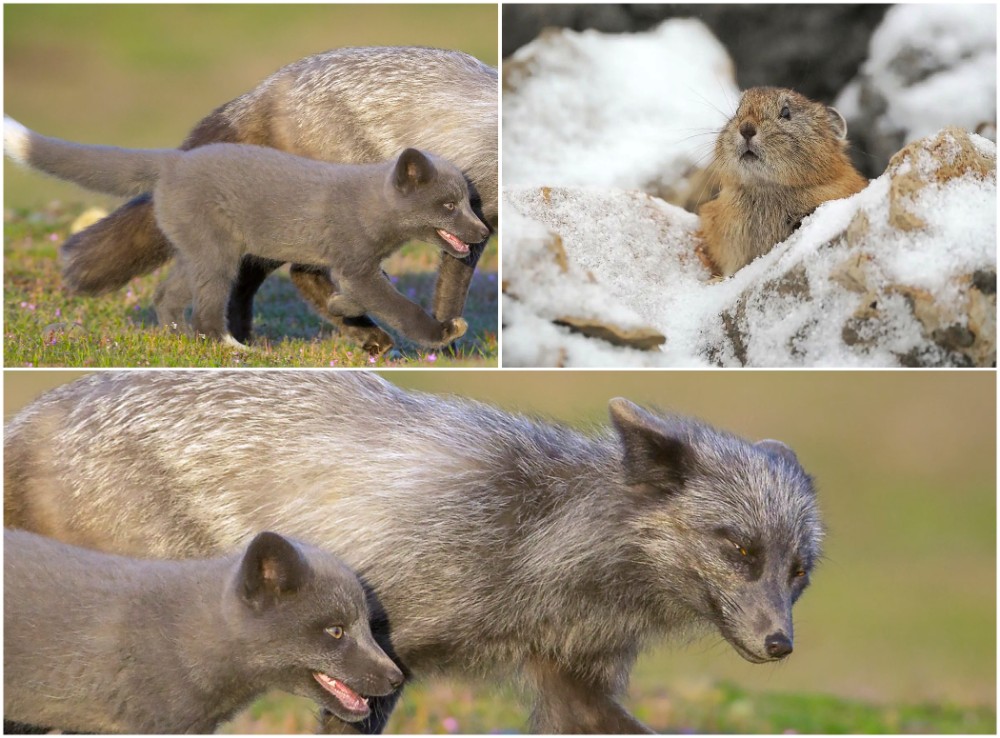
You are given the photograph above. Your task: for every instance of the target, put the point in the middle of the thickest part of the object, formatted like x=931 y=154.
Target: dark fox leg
x=569 y=703
x=252 y=274
x=454 y=277
x=316 y=286
x=115 y=249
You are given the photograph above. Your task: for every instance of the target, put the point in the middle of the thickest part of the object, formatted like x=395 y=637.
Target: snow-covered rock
x=929 y=66
x=903 y=273
x=635 y=111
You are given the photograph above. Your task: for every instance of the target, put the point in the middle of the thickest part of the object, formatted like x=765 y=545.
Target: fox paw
x=454 y=329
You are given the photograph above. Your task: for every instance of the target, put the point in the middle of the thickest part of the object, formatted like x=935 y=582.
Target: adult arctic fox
x=493 y=542
x=350 y=105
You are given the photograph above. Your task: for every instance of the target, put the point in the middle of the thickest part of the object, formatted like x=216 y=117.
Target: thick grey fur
x=496 y=544
x=106 y=644
x=220 y=203
x=351 y=105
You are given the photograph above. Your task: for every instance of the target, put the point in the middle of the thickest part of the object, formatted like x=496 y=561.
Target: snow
x=618 y=111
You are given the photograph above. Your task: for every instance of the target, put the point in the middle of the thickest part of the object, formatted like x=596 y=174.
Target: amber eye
x=336 y=631
x=741 y=549
x=449 y=206
x=786 y=113
x=800 y=573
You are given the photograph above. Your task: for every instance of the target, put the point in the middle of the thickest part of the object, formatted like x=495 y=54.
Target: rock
x=950 y=317
x=644 y=339
x=928 y=66
x=545 y=280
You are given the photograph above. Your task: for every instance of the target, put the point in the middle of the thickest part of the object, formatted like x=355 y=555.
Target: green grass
x=446 y=707
x=43 y=326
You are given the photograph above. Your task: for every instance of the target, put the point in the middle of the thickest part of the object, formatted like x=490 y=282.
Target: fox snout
x=376 y=673
x=392 y=677
x=470 y=228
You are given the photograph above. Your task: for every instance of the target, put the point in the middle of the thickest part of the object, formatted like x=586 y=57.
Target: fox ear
x=413 y=169
x=651 y=455
x=272 y=568
x=778 y=450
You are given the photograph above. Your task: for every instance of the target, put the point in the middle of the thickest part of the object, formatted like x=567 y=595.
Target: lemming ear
x=272 y=568
x=778 y=450
x=652 y=456
x=837 y=122
x=413 y=169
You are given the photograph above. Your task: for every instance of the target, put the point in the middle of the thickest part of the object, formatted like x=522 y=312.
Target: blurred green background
x=143 y=75
x=902 y=612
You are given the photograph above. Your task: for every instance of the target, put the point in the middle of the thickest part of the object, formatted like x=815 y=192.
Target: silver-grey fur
x=494 y=542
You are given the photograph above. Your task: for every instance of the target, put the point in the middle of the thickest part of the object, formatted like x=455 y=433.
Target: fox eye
x=449 y=206
x=336 y=631
x=786 y=113
x=741 y=549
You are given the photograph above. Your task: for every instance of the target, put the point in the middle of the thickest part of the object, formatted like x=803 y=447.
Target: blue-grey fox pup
x=218 y=204
x=494 y=542
x=351 y=105
x=105 y=644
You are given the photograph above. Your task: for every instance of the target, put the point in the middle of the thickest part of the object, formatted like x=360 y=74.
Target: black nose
x=396 y=679
x=748 y=131
x=778 y=645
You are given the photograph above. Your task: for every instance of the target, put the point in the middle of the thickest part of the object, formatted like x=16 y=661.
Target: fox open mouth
x=350 y=700
x=454 y=241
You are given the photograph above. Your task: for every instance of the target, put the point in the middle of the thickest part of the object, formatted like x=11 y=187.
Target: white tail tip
x=15 y=140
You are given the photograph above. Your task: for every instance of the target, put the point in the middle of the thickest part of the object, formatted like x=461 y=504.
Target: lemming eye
x=336 y=631
x=786 y=113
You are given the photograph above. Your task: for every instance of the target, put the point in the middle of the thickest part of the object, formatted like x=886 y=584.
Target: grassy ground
x=45 y=327
x=444 y=707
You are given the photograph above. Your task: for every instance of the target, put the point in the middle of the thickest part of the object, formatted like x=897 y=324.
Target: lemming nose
x=748 y=131
x=778 y=645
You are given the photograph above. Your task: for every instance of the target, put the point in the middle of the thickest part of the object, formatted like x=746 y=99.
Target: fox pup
x=106 y=644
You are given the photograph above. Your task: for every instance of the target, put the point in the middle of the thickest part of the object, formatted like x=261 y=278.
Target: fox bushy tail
x=108 y=169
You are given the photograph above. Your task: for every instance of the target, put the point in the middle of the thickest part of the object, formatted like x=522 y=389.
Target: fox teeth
x=350 y=699
x=455 y=241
